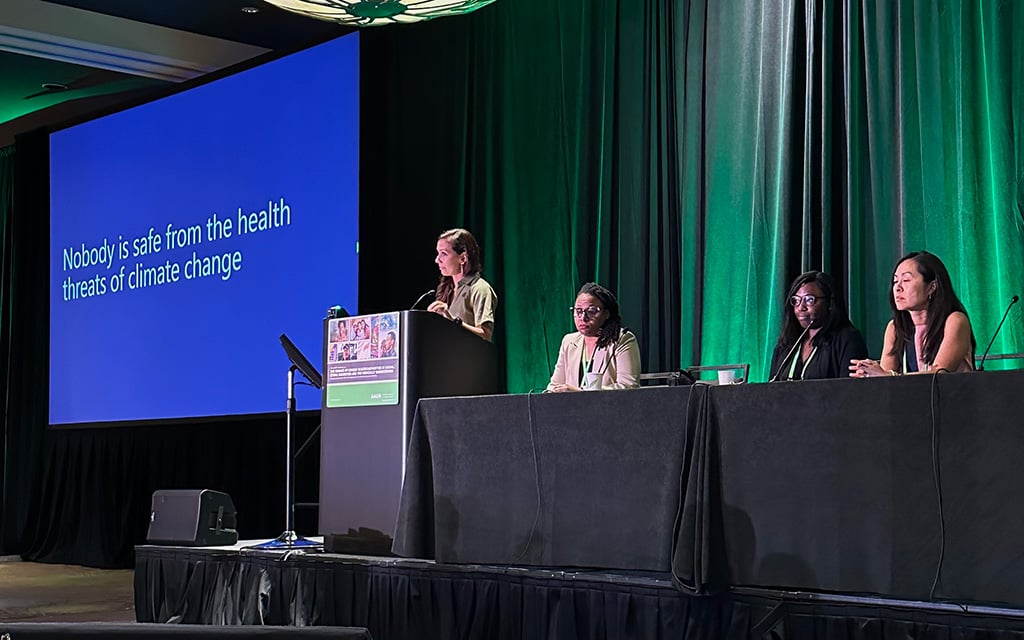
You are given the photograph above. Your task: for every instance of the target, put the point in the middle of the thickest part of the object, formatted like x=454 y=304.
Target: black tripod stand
x=289 y=539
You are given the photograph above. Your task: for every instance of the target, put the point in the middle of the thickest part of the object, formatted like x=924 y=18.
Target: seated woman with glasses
x=817 y=339
x=601 y=353
x=929 y=330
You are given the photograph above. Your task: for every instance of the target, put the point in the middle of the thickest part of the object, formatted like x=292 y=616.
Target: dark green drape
x=517 y=122
x=693 y=155
x=696 y=156
x=936 y=153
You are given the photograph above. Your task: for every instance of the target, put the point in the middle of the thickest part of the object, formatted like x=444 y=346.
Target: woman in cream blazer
x=600 y=346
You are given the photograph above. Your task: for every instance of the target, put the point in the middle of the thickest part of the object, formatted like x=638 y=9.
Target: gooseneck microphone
x=796 y=345
x=1013 y=301
x=427 y=298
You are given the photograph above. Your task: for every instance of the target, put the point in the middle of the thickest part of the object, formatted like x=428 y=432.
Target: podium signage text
x=362 y=361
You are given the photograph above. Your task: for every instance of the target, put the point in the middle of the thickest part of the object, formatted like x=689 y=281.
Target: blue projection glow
x=188 y=233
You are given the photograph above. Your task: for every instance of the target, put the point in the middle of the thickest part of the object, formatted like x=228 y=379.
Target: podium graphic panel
x=362 y=361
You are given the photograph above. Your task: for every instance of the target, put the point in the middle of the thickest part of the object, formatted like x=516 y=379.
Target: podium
x=376 y=368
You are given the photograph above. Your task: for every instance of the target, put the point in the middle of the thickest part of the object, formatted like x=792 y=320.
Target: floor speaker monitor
x=192 y=517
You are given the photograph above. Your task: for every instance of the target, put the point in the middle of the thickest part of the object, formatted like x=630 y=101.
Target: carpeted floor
x=34 y=592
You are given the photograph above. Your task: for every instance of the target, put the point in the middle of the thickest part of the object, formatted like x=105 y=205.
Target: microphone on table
x=796 y=345
x=423 y=301
x=1013 y=301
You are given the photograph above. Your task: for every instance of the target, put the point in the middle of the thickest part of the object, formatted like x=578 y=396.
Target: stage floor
x=397 y=599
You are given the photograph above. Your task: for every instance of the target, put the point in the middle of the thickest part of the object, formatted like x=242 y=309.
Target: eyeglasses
x=809 y=301
x=589 y=312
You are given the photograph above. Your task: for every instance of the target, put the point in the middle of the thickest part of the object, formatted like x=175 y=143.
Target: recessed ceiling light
x=250 y=10
x=55 y=86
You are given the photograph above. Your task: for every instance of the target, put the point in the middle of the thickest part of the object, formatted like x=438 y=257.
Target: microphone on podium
x=796 y=345
x=423 y=301
x=1013 y=301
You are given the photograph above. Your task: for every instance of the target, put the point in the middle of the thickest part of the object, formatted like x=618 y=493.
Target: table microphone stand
x=289 y=539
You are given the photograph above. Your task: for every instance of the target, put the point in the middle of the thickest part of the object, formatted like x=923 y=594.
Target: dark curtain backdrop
x=83 y=496
x=694 y=156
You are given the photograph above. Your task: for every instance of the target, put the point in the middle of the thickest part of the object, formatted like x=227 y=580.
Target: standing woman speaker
x=463 y=296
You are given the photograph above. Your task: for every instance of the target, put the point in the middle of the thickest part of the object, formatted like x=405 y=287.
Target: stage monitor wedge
x=200 y=518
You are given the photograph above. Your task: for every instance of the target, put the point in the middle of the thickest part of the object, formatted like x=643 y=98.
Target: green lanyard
x=585 y=363
x=792 y=368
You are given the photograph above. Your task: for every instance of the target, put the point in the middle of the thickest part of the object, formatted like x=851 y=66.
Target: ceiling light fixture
x=250 y=10
x=367 y=13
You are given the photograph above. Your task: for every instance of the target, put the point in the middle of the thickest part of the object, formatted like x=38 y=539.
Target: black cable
x=769 y=620
x=938 y=483
x=536 y=473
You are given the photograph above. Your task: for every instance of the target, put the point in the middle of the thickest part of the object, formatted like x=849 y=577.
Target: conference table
x=545 y=479
x=909 y=487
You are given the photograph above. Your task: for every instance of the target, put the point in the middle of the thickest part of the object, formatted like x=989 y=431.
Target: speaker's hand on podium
x=440 y=308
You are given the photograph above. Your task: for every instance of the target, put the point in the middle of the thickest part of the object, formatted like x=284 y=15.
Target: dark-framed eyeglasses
x=589 y=312
x=809 y=301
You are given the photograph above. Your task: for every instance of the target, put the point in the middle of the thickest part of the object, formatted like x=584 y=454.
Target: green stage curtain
x=936 y=154
x=692 y=155
x=696 y=156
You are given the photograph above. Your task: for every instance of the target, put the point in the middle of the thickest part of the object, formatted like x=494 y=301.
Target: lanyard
x=792 y=368
x=586 y=364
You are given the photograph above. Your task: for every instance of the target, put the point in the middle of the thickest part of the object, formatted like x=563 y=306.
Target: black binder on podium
x=367 y=418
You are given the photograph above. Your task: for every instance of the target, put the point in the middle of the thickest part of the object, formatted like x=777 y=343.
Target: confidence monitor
x=301 y=362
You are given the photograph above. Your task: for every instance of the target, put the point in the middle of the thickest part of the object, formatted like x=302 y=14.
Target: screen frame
x=140 y=98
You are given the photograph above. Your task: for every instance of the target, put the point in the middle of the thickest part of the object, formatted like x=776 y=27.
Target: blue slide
x=188 y=233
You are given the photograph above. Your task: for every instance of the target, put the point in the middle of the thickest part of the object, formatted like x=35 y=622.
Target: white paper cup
x=727 y=377
x=592 y=382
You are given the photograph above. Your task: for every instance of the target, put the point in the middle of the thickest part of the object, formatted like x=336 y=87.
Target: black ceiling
x=270 y=27
x=25 y=104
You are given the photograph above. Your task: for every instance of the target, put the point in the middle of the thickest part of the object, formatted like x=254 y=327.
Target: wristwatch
x=457 y=320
